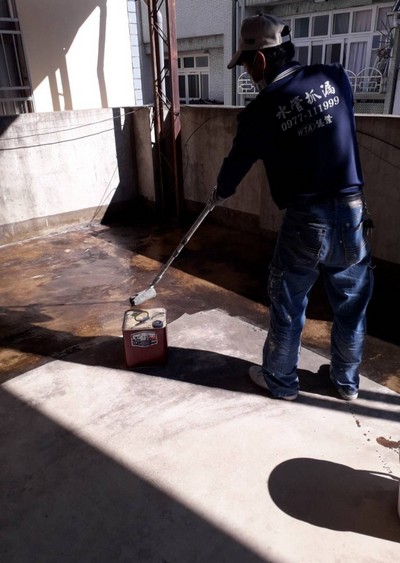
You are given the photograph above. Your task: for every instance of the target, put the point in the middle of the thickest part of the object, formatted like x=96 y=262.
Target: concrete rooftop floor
x=187 y=462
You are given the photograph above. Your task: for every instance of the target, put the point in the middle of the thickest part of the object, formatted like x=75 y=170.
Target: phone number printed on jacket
x=306 y=111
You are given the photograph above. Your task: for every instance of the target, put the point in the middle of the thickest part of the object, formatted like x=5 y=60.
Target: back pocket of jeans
x=300 y=244
x=355 y=243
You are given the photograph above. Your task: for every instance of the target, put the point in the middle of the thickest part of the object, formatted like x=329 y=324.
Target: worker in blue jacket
x=301 y=125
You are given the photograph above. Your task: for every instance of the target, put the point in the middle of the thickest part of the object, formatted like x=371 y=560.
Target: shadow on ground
x=63 y=500
x=337 y=497
x=199 y=367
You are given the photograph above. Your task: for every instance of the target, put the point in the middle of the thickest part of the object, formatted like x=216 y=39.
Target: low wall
x=207 y=133
x=379 y=142
x=65 y=167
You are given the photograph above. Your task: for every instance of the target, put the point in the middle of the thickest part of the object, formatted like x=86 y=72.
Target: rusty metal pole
x=158 y=116
x=174 y=114
x=167 y=122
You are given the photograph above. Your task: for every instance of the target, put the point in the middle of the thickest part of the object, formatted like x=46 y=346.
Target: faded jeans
x=326 y=238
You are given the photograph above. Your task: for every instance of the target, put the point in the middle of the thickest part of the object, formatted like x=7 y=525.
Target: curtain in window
x=357 y=56
x=341 y=23
x=362 y=21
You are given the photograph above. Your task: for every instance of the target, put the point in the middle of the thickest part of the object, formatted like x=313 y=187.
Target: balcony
x=173 y=462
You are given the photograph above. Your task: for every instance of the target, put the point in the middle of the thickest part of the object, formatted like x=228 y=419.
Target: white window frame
x=199 y=71
x=346 y=39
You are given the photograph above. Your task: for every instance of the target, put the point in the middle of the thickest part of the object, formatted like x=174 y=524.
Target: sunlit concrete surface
x=187 y=461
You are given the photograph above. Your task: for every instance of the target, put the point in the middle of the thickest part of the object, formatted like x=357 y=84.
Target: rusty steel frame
x=167 y=118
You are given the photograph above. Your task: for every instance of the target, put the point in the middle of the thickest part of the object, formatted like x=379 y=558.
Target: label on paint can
x=144 y=339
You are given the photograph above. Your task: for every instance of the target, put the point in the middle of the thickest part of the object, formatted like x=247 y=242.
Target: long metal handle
x=209 y=207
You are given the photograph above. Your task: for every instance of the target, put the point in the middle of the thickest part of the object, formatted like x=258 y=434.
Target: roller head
x=143 y=296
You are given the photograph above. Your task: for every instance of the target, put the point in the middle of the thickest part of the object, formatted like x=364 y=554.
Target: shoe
x=257 y=377
x=346 y=396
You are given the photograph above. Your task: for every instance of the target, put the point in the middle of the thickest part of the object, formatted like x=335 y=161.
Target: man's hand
x=214 y=198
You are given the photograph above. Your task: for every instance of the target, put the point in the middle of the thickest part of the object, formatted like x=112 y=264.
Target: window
x=301 y=26
x=204 y=85
x=358 y=38
x=320 y=25
x=362 y=21
x=340 y=23
x=382 y=42
x=376 y=41
x=302 y=55
x=316 y=54
x=202 y=62
x=193 y=77
x=382 y=19
x=15 y=89
x=333 y=53
x=357 y=56
x=194 y=86
x=188 y=62
x=182 y=86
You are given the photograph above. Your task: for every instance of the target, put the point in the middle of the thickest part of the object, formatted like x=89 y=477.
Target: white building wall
x=56 y=163
x=196 y=19
x=217 y=83
x=79 y=57
x=203 y=26
x=135 y=51
x=208 y=17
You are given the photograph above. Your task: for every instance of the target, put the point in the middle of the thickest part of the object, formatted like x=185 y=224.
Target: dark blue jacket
x=302 y=127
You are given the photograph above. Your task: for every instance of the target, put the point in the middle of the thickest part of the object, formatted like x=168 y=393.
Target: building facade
x=96 y=53
x=361 y=35
x=204 y=39
x=63 y=55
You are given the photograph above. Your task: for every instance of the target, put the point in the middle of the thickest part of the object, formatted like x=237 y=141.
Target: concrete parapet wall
x=207 y=134
x=61 y=167
x=57 y=168
x=379 y=142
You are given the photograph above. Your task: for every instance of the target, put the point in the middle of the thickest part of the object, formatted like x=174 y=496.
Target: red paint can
x=145 y=337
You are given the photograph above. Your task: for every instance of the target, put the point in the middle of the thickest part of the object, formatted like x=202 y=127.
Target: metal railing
x=369 y=80
x=245 y=86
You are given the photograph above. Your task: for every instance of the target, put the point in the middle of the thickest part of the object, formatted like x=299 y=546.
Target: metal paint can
x=145 y=337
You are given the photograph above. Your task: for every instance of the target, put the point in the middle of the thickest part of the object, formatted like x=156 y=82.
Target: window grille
x=15 y=88
x=245 y=86
x=367 y=81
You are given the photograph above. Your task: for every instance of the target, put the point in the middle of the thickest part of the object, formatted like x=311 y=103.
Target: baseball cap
x=260 y=32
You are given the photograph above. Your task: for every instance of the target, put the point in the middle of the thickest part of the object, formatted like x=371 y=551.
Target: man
x=301 y=125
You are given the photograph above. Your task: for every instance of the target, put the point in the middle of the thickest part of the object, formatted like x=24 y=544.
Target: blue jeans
x=326 y=238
